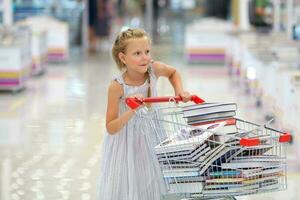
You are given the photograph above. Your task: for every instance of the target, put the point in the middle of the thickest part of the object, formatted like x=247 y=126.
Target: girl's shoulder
x=159 y=68
x=116 y=88
x=157 y=64
x=156 y=67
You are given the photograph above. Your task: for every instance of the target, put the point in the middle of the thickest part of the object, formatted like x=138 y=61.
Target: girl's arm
x=114 y=122
x=162 y=69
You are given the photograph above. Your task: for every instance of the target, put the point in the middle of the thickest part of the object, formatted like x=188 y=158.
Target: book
x=183 y=172
x=184 y=155
x=224 y=180
x=230 y=190
x=260 y=158
x=207 y=108
x=221 y=152
x=276 y=171
x=178 y=159
x=227 y=121
x=180 y=165
x=186 y=179
x=229 y=125
x=209 y=117
x=256 y=150
x=192 y=187
x=227 y=129
x=224 y=173
x=241 y=165
x=223 y=186
x=195 y=137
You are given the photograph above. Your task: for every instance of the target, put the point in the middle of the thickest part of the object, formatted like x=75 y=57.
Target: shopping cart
x=201 y=162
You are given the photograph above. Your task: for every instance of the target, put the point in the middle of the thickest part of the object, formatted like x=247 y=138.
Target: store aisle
x=51 y=133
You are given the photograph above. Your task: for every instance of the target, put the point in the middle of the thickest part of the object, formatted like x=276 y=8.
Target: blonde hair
x=121 y=43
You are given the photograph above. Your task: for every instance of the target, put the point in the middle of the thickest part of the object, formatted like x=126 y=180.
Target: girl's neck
x=134 y=78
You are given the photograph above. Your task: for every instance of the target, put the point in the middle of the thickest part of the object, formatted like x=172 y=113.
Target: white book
x=221 y=151
x=179 y=165
x=183 y=173
x=227 y=129
x=207 y=108
x=166 y=171
x=256 y=150
x=277 y=171
x=178 y=160
x=223 y=185
x=193 y=187
x=261 y=180
x=241 y=165
x=262 y=158
x=211 y=116
x=196 y=137
x=187 y=179
x=184 y=155
x=232 y=190
x=225 y=180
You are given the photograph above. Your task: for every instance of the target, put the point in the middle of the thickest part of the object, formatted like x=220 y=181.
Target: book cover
x=190 y=141
x=184 y=155
x=210 y=117
x=207 y=108
x=193 y=187
x=227 y=121
x=253 y=164
x=187 y=158
x=186 y=179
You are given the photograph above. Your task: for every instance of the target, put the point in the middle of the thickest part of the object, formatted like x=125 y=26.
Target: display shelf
x=57 y=38
x=206 y=41
x=15 y=62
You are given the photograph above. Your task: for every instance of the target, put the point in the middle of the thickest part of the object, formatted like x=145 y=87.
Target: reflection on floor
x=51 y=133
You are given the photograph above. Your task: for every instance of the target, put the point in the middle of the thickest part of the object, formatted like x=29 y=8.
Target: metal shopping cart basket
x=215 y=159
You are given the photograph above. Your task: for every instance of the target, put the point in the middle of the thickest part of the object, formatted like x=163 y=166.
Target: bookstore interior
x=238 y=137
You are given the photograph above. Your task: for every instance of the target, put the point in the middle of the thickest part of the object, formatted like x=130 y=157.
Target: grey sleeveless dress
x=129 y=168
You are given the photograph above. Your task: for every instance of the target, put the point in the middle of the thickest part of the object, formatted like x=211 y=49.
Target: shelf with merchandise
x=68 y=11
x=15 y=63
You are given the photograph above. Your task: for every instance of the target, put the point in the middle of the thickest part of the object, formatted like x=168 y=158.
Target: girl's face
x=137 y=56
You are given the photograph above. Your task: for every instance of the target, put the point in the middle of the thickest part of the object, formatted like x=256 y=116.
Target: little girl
x=130 y=170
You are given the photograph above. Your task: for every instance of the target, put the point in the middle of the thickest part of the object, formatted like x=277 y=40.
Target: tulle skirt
x=129 y=168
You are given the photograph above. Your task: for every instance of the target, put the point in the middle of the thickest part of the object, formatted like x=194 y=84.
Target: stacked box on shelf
x=207 y=45
x=39 y=47
x=15 y=62
x=57 y=37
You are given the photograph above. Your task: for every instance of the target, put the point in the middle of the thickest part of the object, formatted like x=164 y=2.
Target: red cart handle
x=249 y=142
x=135 y=102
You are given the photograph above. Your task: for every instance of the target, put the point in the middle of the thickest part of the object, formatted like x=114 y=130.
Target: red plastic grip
x=249 y=142
x=134 y=103
x=286 y=137
x=196 y=99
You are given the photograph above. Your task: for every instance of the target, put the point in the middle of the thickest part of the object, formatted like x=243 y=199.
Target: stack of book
x=211 y=114
x=247 y=171
x=185 y=157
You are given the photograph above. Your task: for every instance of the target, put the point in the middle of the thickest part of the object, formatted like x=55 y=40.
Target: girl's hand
x=186 y=96
x=138 y=97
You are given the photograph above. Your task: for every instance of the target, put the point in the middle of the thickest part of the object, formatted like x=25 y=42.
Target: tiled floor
x=51 y=133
